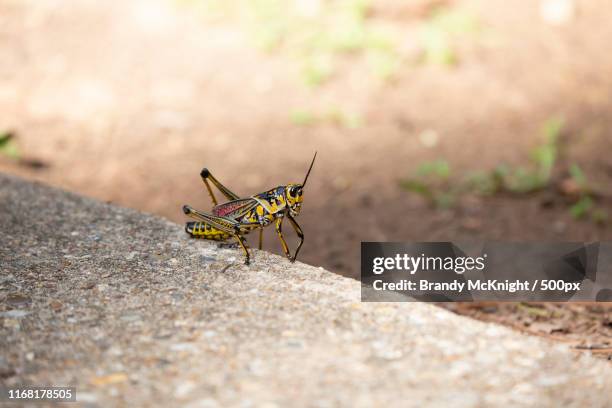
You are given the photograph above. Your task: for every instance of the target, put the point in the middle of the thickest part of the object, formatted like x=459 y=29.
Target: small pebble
x=88 y=285
x=15 y=314
x=17 y=300
x=56 y=305
x=132 y=317
x=182 y=347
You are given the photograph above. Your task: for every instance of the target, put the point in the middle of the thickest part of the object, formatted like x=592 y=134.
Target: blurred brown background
x=415 y=108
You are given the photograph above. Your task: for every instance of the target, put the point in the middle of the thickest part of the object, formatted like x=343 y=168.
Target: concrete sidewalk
x=134 y=313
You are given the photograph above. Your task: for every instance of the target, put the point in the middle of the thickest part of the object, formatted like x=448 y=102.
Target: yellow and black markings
x=239 y=216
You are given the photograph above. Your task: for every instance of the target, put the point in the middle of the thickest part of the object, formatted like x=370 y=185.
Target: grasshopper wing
x=235 y=208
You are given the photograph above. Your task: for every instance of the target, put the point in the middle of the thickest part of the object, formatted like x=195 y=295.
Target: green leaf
x=582 y=207
x=444 y=200
x=484 y=183
x=317 y=70
x=578 y=176
x=524 y=181
x=303 y=118
x=8 y=146
x=417 y=187
x=552 y=129
x=5 y=138
x=436 y=168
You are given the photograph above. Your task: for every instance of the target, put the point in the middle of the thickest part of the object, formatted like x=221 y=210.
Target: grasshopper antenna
x=310 y=168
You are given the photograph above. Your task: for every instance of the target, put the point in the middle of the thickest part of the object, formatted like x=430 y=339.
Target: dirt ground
x=127 y=101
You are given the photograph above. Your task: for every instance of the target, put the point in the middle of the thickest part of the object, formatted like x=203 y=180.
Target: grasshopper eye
x=295 y=191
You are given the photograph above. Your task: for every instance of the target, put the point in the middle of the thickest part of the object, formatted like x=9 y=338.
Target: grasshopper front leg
x=300 y=234
x=298 y=231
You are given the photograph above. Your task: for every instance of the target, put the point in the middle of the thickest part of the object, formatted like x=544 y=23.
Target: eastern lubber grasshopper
x=239 y=216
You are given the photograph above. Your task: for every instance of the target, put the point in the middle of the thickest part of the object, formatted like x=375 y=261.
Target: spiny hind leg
x=215 y=228
x=206 y=175
x=203 y=230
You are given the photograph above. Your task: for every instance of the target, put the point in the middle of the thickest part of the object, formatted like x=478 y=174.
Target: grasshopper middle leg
x=279 y=232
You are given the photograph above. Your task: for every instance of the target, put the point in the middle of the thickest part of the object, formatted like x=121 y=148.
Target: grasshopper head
x=293 y=194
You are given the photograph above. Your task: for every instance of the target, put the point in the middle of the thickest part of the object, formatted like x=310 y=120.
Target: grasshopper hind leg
x=227 y=193
x=206 y=231
x=215 y=228
x=203 y=230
